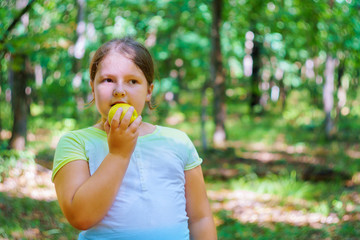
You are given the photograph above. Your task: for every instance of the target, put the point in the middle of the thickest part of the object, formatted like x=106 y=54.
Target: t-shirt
x=151 y=198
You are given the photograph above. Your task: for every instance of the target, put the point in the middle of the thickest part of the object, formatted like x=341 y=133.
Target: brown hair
x=129 y=48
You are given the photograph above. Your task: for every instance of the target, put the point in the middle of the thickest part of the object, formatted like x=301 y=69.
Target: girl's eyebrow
x=105 y=74
x=132 y=76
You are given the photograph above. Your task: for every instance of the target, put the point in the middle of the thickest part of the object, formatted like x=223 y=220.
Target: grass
x=233 y=230
x=26 y=218
x=320 y=197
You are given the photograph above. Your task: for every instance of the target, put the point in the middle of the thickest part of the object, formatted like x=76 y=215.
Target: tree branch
x=15 y=21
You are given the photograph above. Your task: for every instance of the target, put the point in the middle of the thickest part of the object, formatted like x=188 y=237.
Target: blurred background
x=267 y=90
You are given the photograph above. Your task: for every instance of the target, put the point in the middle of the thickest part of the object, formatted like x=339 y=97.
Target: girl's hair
x=129 y=48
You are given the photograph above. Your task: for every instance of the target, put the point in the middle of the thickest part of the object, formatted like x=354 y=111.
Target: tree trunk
x=282 y=96
x=18 y=79
x=328 y=98
x=79 y=48
x=218 y=78
x=79 y=52
x=25 y=7
x=181 y=84
x=1 y=93
x=203 y=117
x=255 y=94
x=341 y=92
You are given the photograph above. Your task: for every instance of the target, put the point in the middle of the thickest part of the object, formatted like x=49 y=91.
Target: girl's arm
x=201 y=223
x=85 y=199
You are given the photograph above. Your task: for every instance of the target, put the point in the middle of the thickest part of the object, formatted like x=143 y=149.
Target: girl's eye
x=133 y=81
x=107 y=80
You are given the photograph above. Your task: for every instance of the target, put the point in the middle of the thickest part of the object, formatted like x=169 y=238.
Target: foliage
x=295 y=38
x=293 y=34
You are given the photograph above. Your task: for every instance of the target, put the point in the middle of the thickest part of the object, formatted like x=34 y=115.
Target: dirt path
x=33 y=181
x=264 y=209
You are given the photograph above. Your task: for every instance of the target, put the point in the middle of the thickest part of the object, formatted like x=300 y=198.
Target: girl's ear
x=92 y=87
x=149 y=92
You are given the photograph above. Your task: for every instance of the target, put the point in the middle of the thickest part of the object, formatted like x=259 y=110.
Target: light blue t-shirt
x=151 y=199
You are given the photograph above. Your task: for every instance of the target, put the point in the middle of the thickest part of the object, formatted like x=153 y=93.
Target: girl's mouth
x=116 y=103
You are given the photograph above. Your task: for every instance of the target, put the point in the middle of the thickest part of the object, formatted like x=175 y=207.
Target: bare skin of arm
x=84 y=198
x=201 y=222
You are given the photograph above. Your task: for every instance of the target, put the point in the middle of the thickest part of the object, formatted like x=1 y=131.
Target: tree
x=218 y=77
x=328 y=94
x=255 y=93
x=18 y=76
x=79 y=51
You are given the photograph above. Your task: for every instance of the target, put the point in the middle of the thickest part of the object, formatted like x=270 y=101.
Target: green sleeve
x=70 y=148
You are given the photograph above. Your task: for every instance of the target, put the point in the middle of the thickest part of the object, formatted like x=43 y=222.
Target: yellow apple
x=125 y=108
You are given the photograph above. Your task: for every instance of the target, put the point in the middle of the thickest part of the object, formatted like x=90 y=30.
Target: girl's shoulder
x=85 y=133
x=172 y=133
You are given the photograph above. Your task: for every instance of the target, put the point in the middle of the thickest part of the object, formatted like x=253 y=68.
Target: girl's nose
x=119 y=92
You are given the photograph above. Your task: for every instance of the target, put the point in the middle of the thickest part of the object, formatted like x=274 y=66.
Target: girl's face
x=119 y=80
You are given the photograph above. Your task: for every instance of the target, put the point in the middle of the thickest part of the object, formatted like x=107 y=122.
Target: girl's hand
x=122 y=135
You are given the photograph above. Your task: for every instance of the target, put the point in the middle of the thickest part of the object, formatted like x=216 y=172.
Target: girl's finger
x=125 y=122
x=116 y=119
x=134 y=126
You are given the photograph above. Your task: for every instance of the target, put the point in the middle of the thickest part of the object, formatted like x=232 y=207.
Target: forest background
x=268 y=90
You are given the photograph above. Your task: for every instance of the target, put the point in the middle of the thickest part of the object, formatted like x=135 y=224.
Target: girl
x=123 y=180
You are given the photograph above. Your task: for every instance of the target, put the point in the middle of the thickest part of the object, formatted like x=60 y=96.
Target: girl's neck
x=144 y=129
